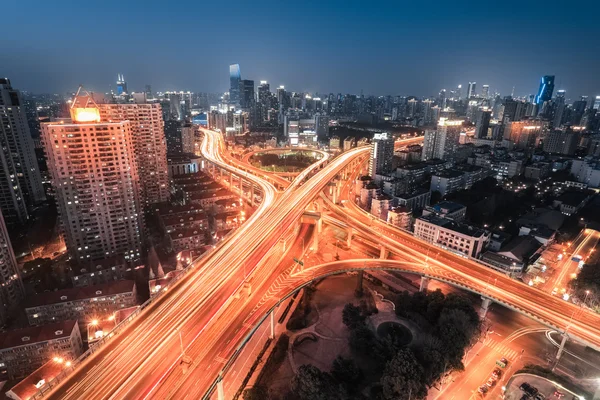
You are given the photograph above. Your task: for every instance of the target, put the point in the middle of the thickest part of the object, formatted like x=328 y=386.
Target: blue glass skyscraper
x=235 y=79
x=546 y=89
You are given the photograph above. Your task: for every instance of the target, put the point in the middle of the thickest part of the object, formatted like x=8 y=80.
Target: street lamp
x=587 y=293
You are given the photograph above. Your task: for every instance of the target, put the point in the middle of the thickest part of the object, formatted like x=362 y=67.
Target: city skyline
x=338 y=49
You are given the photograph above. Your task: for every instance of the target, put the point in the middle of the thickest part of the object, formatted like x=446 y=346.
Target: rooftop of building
x=168 y=209
x=181 y=158
x=400 y=210
x=204 y=195
x=194 y=177
x=36 y=334
x=553 y=219
x=183 y=233
x=574 y=198
x=450 y=173
x=446 y=223
x=415 y=193
x=521 y=247
x=80 y=293
x=180 y=219
x=97 y=265
x=448 y=206
x=29 y=386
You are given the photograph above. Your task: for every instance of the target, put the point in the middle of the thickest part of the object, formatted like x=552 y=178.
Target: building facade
x=11 y=286
x=25 y=350
x=95 y=176
x=459 y=238
x=20 y=179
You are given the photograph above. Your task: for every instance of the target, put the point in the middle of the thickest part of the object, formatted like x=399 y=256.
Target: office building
x=149 y=145
x=382 y=153
x=94 y=174
x=25 y=350
x=121 y=85
x=450 y=235
x=264 y=101
x=546 y=90
x=20 y=180
x=447 y=209
x=596 y=105
x=247 y=94
x=235 y=80
x=471 y=90
x=11 y=286
x=82 y=304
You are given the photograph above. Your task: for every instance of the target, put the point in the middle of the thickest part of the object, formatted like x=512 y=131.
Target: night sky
x=395 y=47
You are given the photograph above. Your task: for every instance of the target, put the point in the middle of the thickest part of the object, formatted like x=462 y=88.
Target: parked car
x=483 y=389
x=558 y=394
x=491 y=382
x=527 y=388
x=497 y=373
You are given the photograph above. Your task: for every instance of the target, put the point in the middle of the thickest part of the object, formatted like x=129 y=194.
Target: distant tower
x=458 y=92
x=235 y=80
x=546 y=89
x=485 y=91
x=471 y=90
x=121 y=85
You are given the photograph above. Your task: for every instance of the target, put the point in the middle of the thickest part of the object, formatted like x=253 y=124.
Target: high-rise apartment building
x=11 y=286
x=382 y=153
x=546 y=89
x=149 y=144
x=235 y=80
x=264 y=100
x=94 y=173
x=442 y=142
x=524 y=134
x=20 y=179
x=482 y=122
x=561 y=142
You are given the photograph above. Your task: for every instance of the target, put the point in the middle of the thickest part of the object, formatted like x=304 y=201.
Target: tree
x=435 y=304
x=363 y=340
x=432 y=357
x=455 y=330
x=345 y=371
x=587 y=285
x=403 y=378
x=456 y=301
x=397 y=337
x=310 y=383
x=256 y=393
x=419 y=302
x=403 y=303
x=352 y=316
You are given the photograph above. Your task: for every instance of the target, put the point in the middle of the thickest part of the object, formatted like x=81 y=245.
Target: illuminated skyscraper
x=597 y=103
x=482 y=122
x=94 y=173
x=471 y=89
x=11 y=286
x=121 y=85
x=235 y=80
x=546 y=89
x=20 y=180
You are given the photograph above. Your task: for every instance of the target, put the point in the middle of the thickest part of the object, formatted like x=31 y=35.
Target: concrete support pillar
x=252 y=194
x=562 y=346
x=231 y=180
x=220 y=389
x=349 y=237
x=315 y=243
x=359 y=284
x=320 y=225
x=485 y=304
x=272 y=318
x=241 y=187
x=424 y=284
x=382 y=252
x=335 y=194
